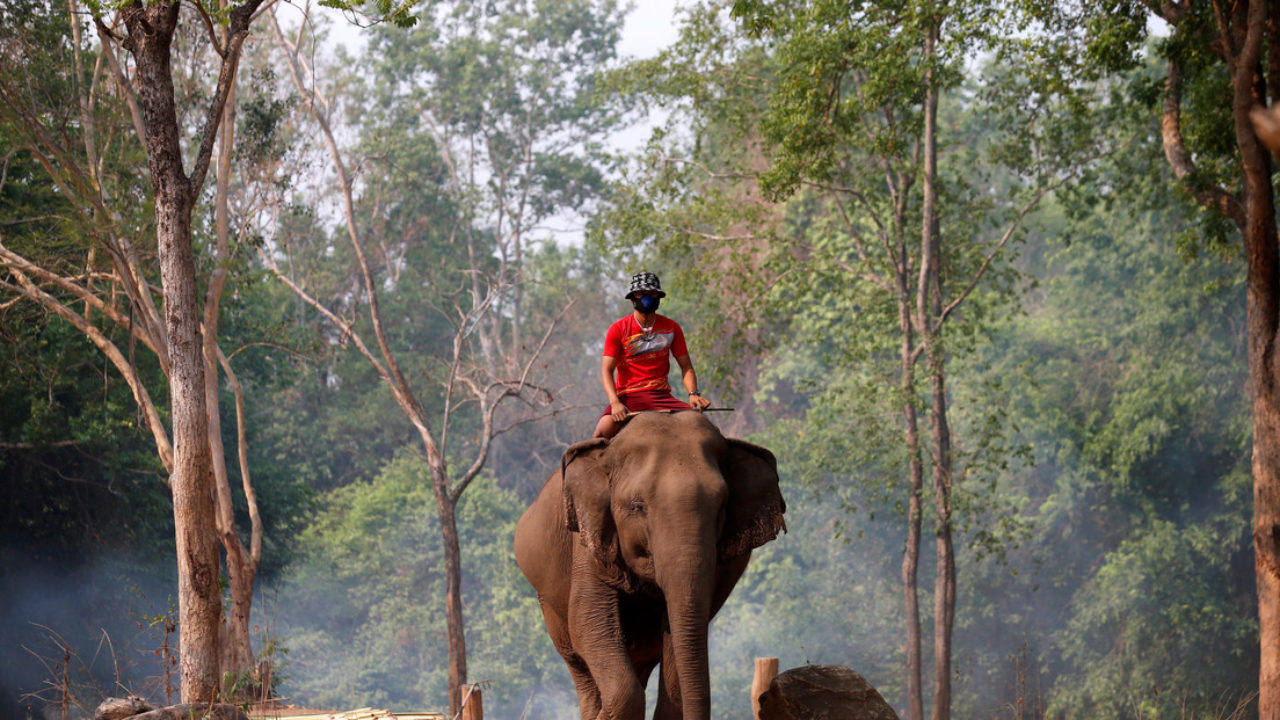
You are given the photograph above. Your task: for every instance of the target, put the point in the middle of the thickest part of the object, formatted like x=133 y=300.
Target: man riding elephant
x=638 y=348
x=633 y=545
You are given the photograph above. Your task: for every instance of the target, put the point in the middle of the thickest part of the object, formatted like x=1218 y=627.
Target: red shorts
x=650 y=400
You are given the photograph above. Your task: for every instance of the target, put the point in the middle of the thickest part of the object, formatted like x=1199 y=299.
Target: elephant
x=634 y=545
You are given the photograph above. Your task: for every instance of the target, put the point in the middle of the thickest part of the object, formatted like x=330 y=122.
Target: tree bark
x=929 y=307
x=151 y=29
x=944 y=585
x=1253 y=212
x=1262 y=311
x=199 y=598
x=454 y=626
x=911 y=554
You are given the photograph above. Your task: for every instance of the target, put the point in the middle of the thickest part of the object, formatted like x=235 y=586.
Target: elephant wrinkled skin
x=634 y=545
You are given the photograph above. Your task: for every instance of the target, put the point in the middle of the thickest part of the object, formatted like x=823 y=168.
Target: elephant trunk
x=688 y=594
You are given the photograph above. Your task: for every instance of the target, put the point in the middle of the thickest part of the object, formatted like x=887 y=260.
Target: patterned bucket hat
x=643 y=281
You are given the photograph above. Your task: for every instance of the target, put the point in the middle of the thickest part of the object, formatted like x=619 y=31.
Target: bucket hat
x=644 y=281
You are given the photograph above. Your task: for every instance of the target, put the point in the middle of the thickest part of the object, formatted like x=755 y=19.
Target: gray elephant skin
x=634 y=545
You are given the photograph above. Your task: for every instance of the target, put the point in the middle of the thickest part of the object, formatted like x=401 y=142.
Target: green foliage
x=1137 y=560
x=362 y=611
x=1101 y=413
x=79 y=465
x=1147 y=605
x=827 y=592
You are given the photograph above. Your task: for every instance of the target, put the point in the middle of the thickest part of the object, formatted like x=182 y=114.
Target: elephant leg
x=596 y=635
x=669 y=705
x=588 y=694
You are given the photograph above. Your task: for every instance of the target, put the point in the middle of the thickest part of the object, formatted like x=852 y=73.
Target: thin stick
x=673 y=410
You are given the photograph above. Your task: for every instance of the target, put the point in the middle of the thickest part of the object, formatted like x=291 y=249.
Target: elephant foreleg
x=669 y=706
x=596 y=634
x=588 y=694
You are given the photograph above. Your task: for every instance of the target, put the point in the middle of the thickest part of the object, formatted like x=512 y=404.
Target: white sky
x=650 y=26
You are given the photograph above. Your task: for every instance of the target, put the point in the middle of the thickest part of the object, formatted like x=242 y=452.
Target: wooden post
x=472 y=706
x=766 y=671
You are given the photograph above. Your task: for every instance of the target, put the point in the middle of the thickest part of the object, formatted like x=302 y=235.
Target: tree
x=507 y=146
x=1128 y=387
x=381 y=645
x=869 y=212
x=147 y=32
x=1220 y=64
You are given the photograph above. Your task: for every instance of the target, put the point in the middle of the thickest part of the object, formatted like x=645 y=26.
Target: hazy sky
x=650 y=27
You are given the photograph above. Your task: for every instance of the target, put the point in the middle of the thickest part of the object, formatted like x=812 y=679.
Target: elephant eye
x=636 y=506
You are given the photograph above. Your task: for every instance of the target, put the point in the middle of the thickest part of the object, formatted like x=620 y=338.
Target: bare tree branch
x=1175 y=150
x=108 y=39
x=208 y=26
x=508 y=390
x=10 y=259
x=237 y=30
x=995 y=250
x=242 y=452
x=26 y=287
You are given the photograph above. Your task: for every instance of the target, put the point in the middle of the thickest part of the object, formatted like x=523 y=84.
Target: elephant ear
x=586 y=498
x=753 y=513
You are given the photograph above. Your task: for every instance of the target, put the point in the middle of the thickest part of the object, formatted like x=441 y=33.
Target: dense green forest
x=425 y=236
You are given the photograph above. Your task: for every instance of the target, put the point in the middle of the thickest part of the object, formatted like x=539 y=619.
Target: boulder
x=823 y=692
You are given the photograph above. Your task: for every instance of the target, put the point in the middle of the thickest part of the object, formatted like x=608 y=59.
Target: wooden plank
x=359 y=714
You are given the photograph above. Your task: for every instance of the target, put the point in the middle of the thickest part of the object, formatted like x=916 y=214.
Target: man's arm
x=690 y=380
x=616 y=408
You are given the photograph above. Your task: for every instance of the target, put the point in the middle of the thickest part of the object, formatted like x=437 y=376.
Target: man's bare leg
x=607 y=427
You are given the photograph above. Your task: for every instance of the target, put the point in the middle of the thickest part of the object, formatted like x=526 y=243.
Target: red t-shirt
x=644 y=359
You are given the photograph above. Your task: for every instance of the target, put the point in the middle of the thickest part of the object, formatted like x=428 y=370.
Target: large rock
x=823 y=692
x=134 y=708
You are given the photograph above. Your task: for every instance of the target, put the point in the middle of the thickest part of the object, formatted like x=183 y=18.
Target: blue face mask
x=646 y=304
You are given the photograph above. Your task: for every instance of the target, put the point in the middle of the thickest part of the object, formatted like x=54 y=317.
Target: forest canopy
x=953 y=277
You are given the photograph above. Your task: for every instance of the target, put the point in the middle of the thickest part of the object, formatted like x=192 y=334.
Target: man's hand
x=699 y=403
x=618 y=411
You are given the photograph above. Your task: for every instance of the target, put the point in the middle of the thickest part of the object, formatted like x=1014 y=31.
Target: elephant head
x=671 y=507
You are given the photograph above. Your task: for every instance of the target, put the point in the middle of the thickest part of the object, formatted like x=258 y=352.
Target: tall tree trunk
x=1262 y=300
x=929 y=312
x=944 y=586
x=199 y=597
x=1253 y=212
x=151 y=29
x=237 y=660
x=447 y=508
x=391 y=374
x=911 y=554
